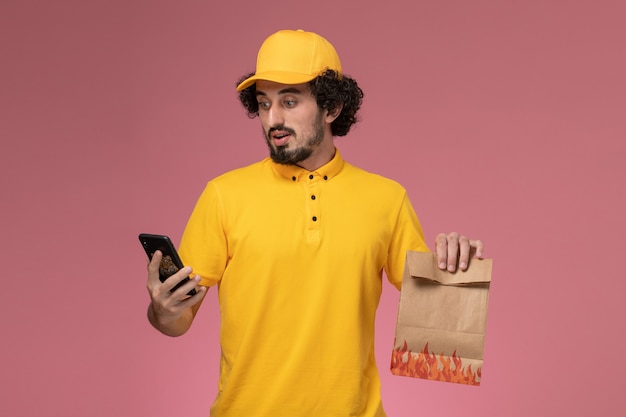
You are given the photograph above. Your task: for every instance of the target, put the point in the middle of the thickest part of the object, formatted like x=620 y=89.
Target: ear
x=333 y=114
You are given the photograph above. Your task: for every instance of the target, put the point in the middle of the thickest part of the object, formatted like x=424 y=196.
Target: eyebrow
x=288 y=90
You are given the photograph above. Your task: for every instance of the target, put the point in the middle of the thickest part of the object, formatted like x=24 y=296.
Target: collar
x=295 y=173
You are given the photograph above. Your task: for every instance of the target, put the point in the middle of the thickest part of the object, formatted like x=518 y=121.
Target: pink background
x=504 y=120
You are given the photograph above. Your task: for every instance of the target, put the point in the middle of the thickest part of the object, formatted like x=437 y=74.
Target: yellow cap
x=293 y=57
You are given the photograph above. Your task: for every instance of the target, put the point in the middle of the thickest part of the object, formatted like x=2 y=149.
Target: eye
x=264 y=105
x=290 y=103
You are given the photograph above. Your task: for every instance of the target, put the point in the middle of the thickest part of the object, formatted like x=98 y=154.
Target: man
x=297 y=244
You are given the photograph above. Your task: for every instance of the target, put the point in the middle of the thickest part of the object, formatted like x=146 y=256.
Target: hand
x=453 y=249
x=171 y=312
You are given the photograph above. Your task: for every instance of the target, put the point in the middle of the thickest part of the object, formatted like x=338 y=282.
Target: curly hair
x=330 y=89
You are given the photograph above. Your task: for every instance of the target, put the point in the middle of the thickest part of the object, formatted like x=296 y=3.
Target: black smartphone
x=170 y=262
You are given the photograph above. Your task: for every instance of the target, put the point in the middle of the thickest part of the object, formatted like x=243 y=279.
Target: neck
x=322 y=155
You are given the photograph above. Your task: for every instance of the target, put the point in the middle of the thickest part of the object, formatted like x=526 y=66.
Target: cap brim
x=277 y=77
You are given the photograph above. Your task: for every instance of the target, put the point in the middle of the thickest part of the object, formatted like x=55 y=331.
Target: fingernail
x=463 y=265
x=442 y=265
x=451 y=268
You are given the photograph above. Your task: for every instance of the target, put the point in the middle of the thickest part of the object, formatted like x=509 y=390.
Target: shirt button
x=314 y=218
x=312 y=197
x=311 y=176
x=293 y=178
x=325 y=177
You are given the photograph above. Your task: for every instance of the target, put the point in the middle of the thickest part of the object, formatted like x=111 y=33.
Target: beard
x=285 y=156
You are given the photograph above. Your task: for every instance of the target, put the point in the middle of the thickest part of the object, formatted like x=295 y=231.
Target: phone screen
x=167 y=268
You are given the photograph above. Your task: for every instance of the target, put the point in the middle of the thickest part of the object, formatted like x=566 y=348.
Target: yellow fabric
x=298 y=296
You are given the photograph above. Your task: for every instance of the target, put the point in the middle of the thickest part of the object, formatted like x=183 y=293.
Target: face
x=294 y=127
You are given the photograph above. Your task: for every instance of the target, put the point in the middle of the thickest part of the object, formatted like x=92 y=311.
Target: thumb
x=153 y=267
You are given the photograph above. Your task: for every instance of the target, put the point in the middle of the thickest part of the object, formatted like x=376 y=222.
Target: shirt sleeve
x=407 y=235
x=203 y=245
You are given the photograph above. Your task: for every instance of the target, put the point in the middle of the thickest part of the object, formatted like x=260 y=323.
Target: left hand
x=456 y=250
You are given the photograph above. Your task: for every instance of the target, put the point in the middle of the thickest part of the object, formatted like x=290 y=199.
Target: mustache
x=282 y=128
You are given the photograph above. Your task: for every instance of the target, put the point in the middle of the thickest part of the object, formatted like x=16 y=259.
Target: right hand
x=167 y=307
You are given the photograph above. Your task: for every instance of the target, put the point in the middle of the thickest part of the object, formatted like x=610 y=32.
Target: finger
x=453 y=251
x=464 y=252
x=174 y=279
x=441 y=249
x=182 y=292
x=190 y=300
x=478 y=248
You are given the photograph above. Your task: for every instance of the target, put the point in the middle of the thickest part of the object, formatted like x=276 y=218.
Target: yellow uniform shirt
x=298 y=258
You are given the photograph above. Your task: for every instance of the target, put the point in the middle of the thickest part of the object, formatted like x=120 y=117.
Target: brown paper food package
x=440 y=332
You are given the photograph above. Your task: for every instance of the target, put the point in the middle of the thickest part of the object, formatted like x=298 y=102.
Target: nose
x=275 y=116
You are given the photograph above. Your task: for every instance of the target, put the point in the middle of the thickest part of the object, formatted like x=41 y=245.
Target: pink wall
x=504 y=120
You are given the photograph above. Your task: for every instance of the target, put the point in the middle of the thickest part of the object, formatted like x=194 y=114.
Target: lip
x=280 y=137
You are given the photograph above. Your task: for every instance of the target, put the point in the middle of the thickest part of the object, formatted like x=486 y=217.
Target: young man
x=297 y=244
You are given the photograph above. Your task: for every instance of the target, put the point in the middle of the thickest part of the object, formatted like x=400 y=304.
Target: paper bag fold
x=442 y=316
